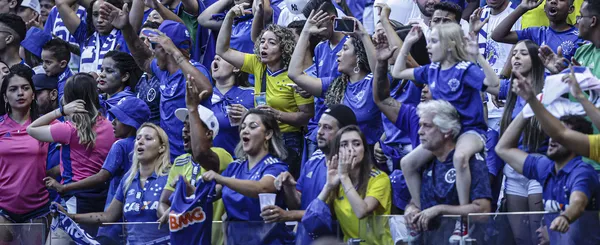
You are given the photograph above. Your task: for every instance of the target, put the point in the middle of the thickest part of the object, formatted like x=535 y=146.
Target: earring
x=356 y=68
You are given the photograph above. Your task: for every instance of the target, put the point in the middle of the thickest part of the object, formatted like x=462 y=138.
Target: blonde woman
x=452 y=76
x=86 y=138
x=137 y=196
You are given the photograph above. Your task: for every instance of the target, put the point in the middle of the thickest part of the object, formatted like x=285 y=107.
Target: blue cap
x=41 y=82
x=35 y=40
x=131 y=111
x=177 y=32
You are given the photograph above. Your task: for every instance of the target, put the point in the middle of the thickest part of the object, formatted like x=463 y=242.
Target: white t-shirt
x=495 y=53
x=402 y=10
x=286 y=17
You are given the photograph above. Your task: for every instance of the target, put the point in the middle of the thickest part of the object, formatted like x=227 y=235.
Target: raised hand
x=193 y=97
x=314 y=23
x=472 y=45
x=165 y=42
x=555 y=63
x=475 y=23
x=413 y=36
x=153 y=4
x=522 y=86
x=76 y=106
x=359 y=29
x=115 y=16
x=345 y=162
x=239 y=10
x=333 y=179
x=530 y=4
x=384 y=11
x=573 y=83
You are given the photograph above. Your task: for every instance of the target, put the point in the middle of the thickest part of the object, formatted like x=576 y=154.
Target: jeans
x=294 y=144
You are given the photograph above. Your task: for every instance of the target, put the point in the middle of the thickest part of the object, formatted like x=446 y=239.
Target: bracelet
x=567 y=218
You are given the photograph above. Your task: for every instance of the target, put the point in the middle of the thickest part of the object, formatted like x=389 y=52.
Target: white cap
x=206 y=115
x=296 y=6
x=32 y=4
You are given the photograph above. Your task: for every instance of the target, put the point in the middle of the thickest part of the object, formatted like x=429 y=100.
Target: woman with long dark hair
x=523 y=194
x=117 y=79
x=22 y=158
x=259 y=153
x=86 y=138
x=355 y=188
x=96 y=37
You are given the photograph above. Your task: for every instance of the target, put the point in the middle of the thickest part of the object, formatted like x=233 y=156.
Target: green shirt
x=191 y=22
x=588 y=55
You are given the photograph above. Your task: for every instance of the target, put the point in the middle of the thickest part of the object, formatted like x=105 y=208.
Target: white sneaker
x=460 y=231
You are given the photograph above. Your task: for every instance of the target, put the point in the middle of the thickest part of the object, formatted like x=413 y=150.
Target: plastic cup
x=266 y=199
x=231 y=122
x=261 y=99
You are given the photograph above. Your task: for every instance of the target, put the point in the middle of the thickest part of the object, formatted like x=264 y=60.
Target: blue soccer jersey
x=439 y=178
x=139 y=205
x=568 y=40
x=461 y=86
x=229 y=136
x=190 y=220
x=359 y=97
x=576 y=175
x=94 y=48
x=172 y=97
x=117 y=163
x=313 y=176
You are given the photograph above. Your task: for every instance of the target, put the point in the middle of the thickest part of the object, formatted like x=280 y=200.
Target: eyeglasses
x=578 y=18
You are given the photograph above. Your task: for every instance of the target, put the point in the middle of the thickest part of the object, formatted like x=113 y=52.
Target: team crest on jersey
x=180 y=221
x=151 y=95
x=450 y=176
x=454 y=84
x=491 y=52
x=568 y=47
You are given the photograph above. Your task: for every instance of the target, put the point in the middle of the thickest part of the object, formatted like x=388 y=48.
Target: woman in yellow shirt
x=355 y=189
x=273 y=89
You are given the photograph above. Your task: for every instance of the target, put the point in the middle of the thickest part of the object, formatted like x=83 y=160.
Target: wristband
x=567 y=218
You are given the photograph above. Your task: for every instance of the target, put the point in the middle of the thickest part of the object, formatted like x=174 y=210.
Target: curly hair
x=287 y=43
x=335 y=93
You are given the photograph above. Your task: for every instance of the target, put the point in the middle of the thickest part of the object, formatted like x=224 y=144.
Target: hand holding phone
x=343 y=25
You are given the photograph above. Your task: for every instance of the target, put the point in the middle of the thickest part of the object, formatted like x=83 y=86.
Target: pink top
x=22 y=168
x=84 y=162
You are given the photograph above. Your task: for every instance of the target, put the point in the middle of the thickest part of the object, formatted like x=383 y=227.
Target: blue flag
x=65 y=223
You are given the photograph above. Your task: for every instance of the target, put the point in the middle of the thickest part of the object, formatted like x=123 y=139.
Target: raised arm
x=503 y=32
x=40 y=128
x=164 y=12
x=136 y=16
x=573 y=140
x=491 y=80
x=234 y=57
x=310 y=84
x=393 y=39
x=190 y=6
x=205 y=19
x=400 y=71
x=119 y=19
x=249 y=188
x=381 y=84
x=68 y=15
x=590 y=109
x=263 y=13
x=200 y=139
x=507 y=145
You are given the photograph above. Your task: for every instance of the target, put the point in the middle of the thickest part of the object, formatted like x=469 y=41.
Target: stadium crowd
x=294 y=120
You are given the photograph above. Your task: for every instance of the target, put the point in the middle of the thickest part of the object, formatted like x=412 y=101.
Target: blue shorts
x=23 y=218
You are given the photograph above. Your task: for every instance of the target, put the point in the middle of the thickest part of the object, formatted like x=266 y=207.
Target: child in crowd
x=55 y=61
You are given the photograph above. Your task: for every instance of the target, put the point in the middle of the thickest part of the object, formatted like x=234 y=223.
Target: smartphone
x=343 y=25
x=150 y=33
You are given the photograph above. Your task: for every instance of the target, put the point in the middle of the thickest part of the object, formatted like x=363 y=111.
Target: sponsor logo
x=180 y=221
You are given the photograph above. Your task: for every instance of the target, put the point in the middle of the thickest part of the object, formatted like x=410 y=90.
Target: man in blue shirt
x=170 y=63
x=439 y=127
x=298 y=195
x=558 y=35
x=570 y=186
